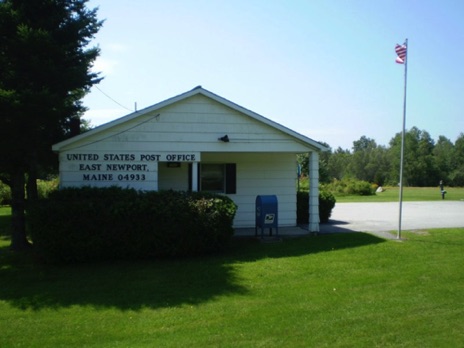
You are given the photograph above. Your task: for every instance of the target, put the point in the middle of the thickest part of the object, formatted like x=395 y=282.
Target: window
x=216 y=177
x=212 y=178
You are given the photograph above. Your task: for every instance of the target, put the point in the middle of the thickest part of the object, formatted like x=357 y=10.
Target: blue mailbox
x=266 y=214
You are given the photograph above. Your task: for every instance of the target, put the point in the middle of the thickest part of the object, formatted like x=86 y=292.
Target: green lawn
x=391 y=194
x=341 y=290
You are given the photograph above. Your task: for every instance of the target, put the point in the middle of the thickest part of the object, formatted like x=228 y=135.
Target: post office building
x=196 y=141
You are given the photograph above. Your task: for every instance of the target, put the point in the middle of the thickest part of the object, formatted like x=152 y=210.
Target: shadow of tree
x=26 y=284
x=5 y=225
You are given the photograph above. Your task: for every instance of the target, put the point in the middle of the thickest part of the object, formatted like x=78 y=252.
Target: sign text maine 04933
x=123 y=166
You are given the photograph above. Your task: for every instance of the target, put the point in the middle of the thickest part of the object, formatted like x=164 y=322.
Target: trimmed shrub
x=347 y=187
x=326 y=204
x=90 y=224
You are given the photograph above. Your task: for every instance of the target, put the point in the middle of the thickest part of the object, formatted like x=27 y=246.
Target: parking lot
x=381 y=218
x=384 y=217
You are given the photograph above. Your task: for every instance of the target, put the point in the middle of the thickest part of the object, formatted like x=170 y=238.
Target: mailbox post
x=266 y=214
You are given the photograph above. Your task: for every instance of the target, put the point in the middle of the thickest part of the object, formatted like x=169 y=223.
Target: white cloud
x=104 y=65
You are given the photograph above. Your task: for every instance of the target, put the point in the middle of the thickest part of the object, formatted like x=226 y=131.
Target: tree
x=45 y=72
x=324 y=158
x=429 y=167
x=419 y=167
x=303 y=161
x=338 y=164
x=362 y=164
x=443 y=154
x=425 y=162
x=457 y=174
x=378 y=166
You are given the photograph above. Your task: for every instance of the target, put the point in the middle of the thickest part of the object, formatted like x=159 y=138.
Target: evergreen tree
x=45 y=71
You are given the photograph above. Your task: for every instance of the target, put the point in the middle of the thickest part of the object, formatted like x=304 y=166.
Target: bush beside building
x=90 y=224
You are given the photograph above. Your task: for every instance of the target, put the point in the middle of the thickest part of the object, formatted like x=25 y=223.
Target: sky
x=325 y=69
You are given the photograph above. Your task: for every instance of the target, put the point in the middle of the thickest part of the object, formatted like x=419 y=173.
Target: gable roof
x=196 y=91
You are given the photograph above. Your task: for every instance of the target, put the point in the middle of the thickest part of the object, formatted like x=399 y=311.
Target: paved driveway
x=383 y=217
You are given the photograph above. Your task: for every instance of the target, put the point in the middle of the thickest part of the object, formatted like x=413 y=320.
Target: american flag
x=401 y=51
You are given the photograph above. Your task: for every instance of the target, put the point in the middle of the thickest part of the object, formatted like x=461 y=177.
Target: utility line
x=106 y=95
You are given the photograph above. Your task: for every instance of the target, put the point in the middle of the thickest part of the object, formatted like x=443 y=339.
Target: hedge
x=326 y=204
x=89 y=224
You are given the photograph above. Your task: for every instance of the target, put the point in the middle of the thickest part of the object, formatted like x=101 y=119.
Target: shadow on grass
x=135 y=285
x=5 y=226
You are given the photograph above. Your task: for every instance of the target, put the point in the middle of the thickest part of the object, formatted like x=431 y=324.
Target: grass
x=410 y=194
x=391 y=194
x=340 y=290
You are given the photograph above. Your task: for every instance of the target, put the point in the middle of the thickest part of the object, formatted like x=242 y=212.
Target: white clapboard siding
x=173 y=178
x=190 y=125
x=195 y=122
x=261 y=174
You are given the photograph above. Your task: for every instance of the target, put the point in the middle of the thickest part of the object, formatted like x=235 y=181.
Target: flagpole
x=402 y=140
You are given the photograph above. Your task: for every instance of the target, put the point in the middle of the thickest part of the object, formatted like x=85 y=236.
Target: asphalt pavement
x=381 y=218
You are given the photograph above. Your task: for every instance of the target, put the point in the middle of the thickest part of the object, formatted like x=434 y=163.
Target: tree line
x=426 y=161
